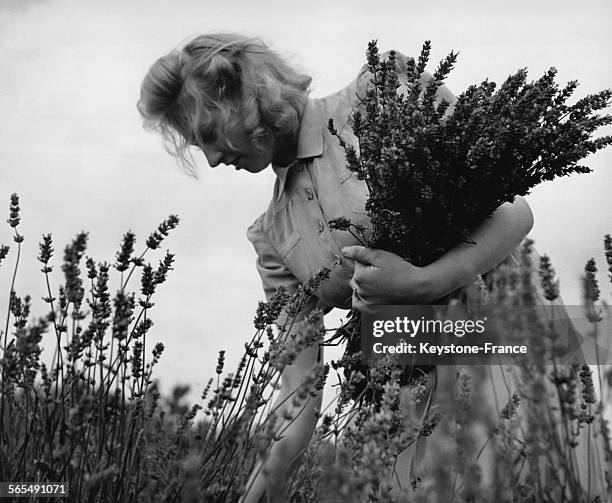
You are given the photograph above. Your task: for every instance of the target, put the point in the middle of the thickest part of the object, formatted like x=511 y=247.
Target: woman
x=243 y=105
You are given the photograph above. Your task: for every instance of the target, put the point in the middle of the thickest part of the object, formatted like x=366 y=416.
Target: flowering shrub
x=546 y=442
x=91 y=418
x=94 y=418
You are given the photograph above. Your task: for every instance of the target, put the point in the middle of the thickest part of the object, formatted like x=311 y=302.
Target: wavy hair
x=218 y=82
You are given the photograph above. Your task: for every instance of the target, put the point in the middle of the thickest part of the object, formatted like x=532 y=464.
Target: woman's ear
x=263 y=139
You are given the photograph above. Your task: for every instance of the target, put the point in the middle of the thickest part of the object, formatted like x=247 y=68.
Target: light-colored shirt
x=292 y=238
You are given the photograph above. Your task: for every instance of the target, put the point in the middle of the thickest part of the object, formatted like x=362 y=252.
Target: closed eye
x=206 y=135
x=209 y=138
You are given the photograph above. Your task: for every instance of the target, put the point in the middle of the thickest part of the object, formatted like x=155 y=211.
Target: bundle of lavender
x=433 y=175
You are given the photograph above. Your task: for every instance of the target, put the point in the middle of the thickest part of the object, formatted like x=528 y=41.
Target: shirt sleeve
x=273 y=271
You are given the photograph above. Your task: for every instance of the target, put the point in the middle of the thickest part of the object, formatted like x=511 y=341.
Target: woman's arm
x=495 y=239
x=271 y=474
x=385 y=278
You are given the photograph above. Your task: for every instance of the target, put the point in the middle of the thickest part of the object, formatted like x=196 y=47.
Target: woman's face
x=236 y=149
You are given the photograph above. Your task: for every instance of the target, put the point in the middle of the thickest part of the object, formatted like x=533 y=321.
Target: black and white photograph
x=306 y=252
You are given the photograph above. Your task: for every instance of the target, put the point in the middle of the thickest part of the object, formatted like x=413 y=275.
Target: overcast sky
x=72 y=145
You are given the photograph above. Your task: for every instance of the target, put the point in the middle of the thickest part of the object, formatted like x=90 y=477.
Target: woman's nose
x=213 y=155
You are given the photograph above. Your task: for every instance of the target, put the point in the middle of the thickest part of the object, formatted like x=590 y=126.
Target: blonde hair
x=215 y=83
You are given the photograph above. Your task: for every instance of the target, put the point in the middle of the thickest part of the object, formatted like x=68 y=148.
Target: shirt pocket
x=292 y=254
x=288 y=245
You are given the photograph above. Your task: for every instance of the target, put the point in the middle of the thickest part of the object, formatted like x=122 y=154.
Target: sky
x=73 y=147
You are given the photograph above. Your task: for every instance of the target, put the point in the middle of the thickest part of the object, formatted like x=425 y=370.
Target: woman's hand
x=270 y=475
x=382 y=277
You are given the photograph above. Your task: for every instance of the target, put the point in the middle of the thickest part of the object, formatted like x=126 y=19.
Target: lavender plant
x=244 y=422
x=83 y=419
x=549 y=442
x=95 y=419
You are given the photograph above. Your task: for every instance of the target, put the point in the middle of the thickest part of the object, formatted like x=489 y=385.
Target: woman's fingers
x=360 y=278
x=359 y=300
x=360 y=254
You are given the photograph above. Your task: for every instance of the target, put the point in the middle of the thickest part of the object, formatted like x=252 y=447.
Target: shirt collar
x=310 y=142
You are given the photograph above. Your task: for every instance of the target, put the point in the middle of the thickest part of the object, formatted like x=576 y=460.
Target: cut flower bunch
x=435 y=170
x=434 y=176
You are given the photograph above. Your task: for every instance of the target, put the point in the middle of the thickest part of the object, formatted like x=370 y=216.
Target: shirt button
x=309 y=194
x=337 y=259
x=320 y=226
